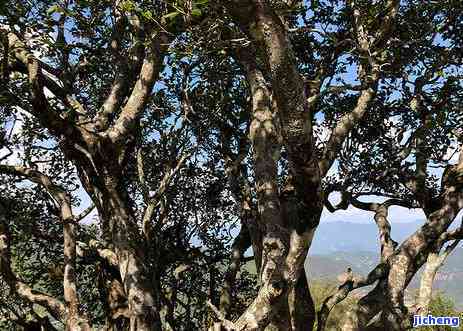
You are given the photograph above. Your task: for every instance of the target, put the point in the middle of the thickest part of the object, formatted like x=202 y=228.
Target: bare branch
x=369 y=77
x=84 y=213
x=344 y=126
x=58 y=194
x=94 y=249
x=122 y=81
x=69 y=233
x=344 y=289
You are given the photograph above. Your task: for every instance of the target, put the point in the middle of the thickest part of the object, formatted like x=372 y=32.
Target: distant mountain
x=338 y=245
x=345 y=236
x=329 y=266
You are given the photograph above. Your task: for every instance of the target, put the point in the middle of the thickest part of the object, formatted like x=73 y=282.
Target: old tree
x=151 y=151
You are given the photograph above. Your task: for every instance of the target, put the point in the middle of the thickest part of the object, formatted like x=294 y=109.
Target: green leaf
x=196 y=12
x=147 y=14
x=54 y=9
x=171 y=15
x=128 y=6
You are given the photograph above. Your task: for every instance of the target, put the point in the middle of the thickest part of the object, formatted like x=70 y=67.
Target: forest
x=165 y=164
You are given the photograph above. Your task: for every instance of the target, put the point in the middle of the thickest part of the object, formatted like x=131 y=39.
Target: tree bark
x=404 y=264
x=99 y=150
x=55 y=307
x=128 y=246
x=433 y=263
x=301 y=305
x=74 y=320
x=102 y=175
x=366 y=308
x=286 y=228
x=288 y=219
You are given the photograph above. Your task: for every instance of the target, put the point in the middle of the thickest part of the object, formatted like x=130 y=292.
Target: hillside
x=328 y=266
x=339 y=245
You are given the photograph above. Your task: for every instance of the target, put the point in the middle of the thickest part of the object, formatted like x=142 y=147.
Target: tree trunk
x=403 y=265
x=433 y=263
x=129 y=246
x=301 y=305
x=288 y=219
x=365 y=310
x=102 y=174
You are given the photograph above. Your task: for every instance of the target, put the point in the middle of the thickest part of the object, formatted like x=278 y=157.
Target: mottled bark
x=128 y=246
x=387 y=244
x=99 y=148
x=113 y=297
x=100 y=165
x=379 y=273
x=351 y=283
x=288 y=219
x=284 y=240
x=301 y=305
x=433 y=263
x=359 y=317
x=266 y=141
x=346 y=123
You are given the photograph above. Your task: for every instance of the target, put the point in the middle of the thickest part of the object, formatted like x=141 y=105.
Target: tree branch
x=369 y=75
x=61 y=197
x=84 y=213
x=150 y=70
x=55 y=307
x=344 y=289
x=37 y=81
x=94 y=249
x=154 y=200
x=344 y=126
x=228 y=325
x=56 y=192
x=124 y=77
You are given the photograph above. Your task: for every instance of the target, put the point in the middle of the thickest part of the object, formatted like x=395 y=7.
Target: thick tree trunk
x=286 y=230
x=301 y=305
x=129 y=246
x=102 y=176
